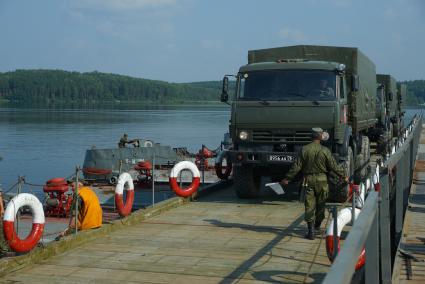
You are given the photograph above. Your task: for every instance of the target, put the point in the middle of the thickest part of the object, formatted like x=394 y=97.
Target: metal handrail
x=343 y=268
x=372 y=227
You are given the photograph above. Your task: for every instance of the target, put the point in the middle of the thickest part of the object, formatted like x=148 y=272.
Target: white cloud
x=290 y=34
x=120 y=5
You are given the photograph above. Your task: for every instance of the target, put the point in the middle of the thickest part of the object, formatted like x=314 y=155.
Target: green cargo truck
x=401 y=98
x=393 y=109
x=386 y=111
x=282 y=93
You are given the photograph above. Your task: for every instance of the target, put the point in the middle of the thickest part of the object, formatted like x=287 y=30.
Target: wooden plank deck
x=218 y=239
x=409 y=265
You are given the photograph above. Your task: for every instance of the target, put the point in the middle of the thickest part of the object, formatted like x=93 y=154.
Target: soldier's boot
x=317 y=225
x=310 y=233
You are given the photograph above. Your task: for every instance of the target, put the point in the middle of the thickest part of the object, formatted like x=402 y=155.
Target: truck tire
x=338 y=191
x=246 y=182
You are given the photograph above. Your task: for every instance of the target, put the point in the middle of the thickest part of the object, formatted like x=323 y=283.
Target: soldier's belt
x=315 y=174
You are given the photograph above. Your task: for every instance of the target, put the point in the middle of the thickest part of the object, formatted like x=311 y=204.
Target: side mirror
x=225 y=90
x=390 y=96
x=355 y=84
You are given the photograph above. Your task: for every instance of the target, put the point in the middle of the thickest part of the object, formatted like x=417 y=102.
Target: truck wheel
x=338 y=191
x=246 y=182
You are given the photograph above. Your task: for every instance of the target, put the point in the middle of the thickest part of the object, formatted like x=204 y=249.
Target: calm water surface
x=41 y=144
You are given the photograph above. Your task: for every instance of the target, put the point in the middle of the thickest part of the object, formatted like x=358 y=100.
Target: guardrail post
x=77 y=171
x=407 y=177
x=385 y=229
x=372 y=253
x=353 y=204
x=398 y=201
x=412 y=157
x=335 y=229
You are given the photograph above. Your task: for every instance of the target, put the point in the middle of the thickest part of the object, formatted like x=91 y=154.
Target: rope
x=12 y=187
x=33 y=184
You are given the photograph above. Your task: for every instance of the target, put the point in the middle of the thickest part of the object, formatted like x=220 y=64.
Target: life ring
x=147 y=143
x=219 y=166
x=344 y=217
x=56 y=181
x=56 y=185
x=187 y=191
x=12 y=238
x=375 y=178
x=124 y=208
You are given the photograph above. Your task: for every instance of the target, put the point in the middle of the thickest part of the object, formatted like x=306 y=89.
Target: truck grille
x=278 y=137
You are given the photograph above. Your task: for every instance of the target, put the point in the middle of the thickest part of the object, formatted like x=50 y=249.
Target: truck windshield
x=287 y=85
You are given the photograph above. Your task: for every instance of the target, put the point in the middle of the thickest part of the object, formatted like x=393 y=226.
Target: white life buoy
x=124 y=207
x=375 y=179
x=175 y=172
x=344 y=217
x=12 y=238
x=147 y=143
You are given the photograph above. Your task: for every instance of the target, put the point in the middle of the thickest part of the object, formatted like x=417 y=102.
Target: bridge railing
x=372 y=228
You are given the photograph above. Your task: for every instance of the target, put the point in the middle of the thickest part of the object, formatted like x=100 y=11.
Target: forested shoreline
x=48 y=87
x=56 y=86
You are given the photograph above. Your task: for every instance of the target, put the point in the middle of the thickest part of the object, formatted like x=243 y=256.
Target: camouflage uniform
x=315 y=161
x=123 y=141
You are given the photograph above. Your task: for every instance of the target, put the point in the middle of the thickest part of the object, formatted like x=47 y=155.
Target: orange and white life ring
x=344 y=217
x=124 y=207
x=219 y=166
x=175 y=172
x=12 y=238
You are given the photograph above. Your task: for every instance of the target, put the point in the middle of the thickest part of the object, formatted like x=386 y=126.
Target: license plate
x=281 y=158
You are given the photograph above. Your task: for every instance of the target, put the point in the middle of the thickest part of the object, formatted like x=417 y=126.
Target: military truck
x=401 y=98
x=392 y=102
x=282 y=93
x=386 y=112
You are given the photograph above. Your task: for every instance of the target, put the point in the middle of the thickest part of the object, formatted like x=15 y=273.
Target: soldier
x=315 y=162
x=325 y=90
x=123 y=141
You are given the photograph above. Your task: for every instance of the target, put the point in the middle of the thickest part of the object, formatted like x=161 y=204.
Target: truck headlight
x=243 y=135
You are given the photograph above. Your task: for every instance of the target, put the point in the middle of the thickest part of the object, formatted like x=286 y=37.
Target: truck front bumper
x=261 y=158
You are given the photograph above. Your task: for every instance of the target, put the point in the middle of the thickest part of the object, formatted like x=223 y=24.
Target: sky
x=201 y=40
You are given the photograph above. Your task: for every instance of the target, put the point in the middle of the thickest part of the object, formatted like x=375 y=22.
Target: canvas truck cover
x=390 y=85
x=362 y=110
x=402 y=96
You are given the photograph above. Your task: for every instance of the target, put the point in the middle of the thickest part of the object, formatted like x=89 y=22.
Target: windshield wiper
x=264 y=102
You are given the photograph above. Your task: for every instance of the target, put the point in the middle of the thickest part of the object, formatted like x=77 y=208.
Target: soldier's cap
x=316 y=132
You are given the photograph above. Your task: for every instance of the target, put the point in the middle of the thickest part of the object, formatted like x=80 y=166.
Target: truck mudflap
x=261 y=158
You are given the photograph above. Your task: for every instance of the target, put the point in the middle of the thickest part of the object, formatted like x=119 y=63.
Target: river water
x=41 y=144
